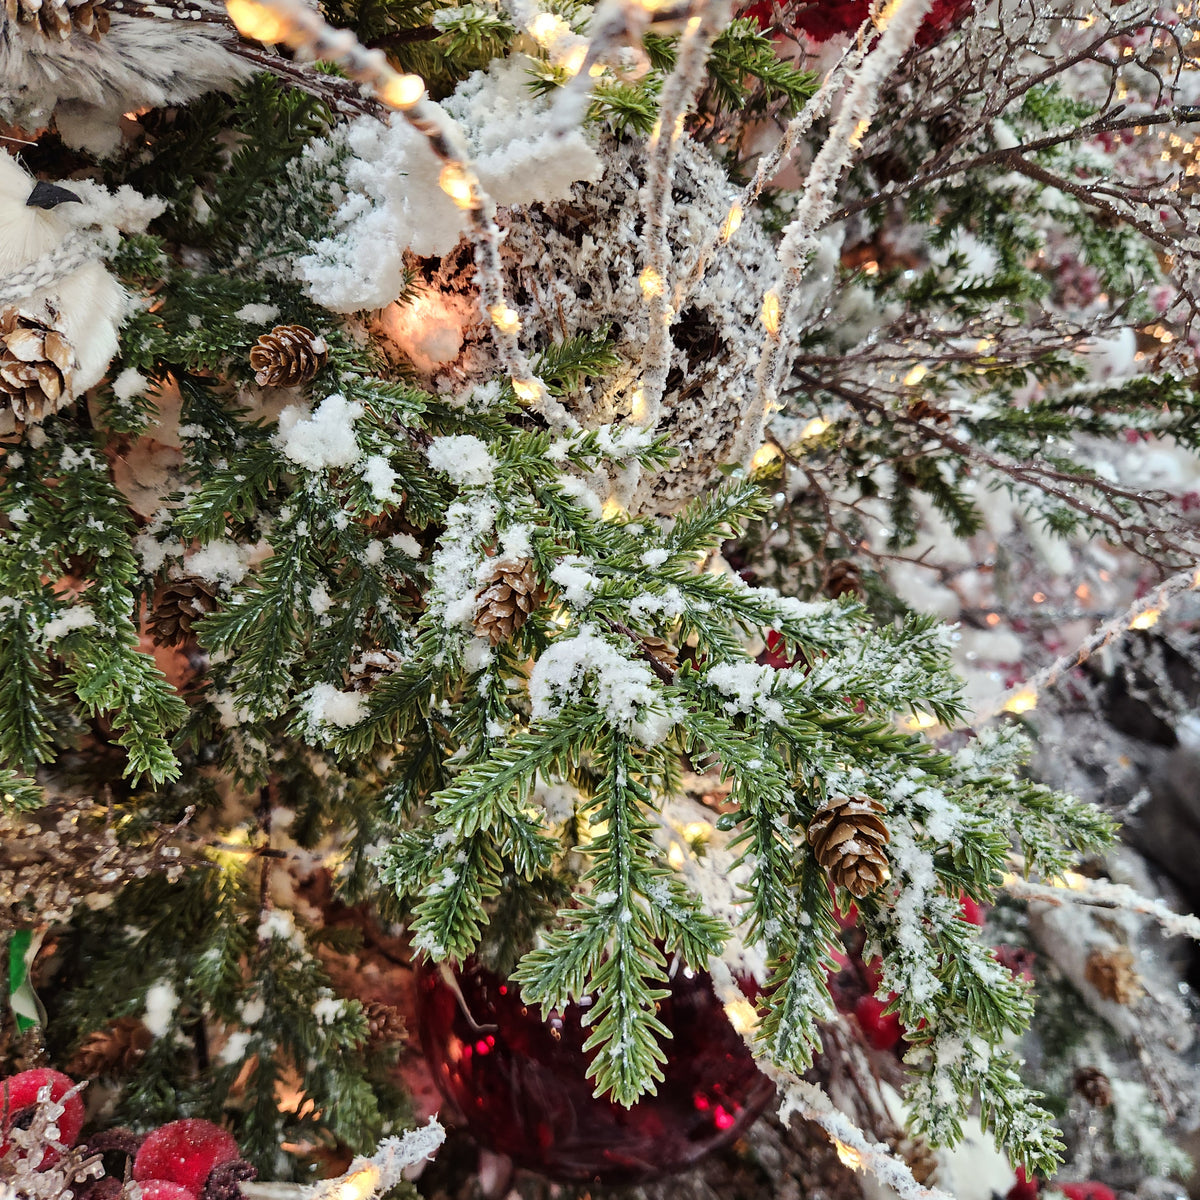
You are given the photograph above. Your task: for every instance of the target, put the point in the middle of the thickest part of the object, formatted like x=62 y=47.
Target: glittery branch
x=679 y=92
x=1142 y=614
x=810 y=1102
x=899 y=22
x=1096 y=893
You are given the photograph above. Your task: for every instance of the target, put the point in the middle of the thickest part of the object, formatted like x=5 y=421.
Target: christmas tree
x=563 y=526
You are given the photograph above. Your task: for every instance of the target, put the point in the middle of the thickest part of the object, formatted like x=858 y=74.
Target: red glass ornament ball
x=825 y=19
x=521 y=1081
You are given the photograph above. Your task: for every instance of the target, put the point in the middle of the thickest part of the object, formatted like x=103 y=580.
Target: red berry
x=971 y=911
x=1090 y=1189
x=164 y=1189
x=1025 y=1188
x=883 y=1030
x=184 y=1152
x=19 y=1094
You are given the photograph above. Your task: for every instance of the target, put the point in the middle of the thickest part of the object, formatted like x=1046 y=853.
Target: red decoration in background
x=1091 y=1189
x=184 y=1152
x=521 y=1083
x=825 y=19
x=19 y=1093
x=1025 y=1188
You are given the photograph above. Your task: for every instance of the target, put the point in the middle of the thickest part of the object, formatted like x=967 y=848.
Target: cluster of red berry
x=177 y=1161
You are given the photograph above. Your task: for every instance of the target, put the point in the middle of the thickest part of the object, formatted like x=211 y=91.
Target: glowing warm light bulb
x=1145 y=620
x=612 y=509
x=651 y=283
x=814 y=428
x=770 y=312
x=637 y=404
x=528 y=390
x=920 y=721
x=765 y=454
x=257 y=21
x=675 y=856
x=916 y=375
x=849 y=1156
x=504 y=318
x=545 y=27
x=742 y=1015
x=860 y=130
x=1023 y=701
x=573 y=60
x=458 y=185
x=359 y=1186
x=733 y=222
x=402 y=91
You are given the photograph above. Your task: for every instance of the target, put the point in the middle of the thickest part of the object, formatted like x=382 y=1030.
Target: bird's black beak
x=49 y=195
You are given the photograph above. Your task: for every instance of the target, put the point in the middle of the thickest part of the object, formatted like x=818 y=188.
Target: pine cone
x=374 y=665
x=658 y=652
x=1111 y=973
x=843 y=579
x=1094 y=1086
x=848 y=837
x=287 y=356
x=179 y=606
x=57 y=19
x=506 y=600
x=920 y=1156
x=114 y=1050
x=385 y=1024
x=36 y=367
x=922 y=410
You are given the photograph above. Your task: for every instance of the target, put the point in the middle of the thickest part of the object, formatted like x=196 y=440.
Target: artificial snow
x=378 y=475
x=78 y=616
x=257 y=314
x=624 y=688
x=129 y=383
x=326 y=705
x=463 y=457
x=220 y=561
x=161 y=1002
x=323 y=439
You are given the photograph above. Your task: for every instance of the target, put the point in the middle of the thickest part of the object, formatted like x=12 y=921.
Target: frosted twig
x=614 y=23
x=899 y=22
x=680 y=90
x=1099 y=894
x=816 y=107
x=811 y=1103
x=307 y=33
x=1142 y=614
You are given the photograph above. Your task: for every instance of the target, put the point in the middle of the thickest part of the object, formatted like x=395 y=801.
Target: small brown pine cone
x=922 y=410
x=36 y=367
x=114 y=1050
x=179 y=606
x=1094 y=1086
x=843 y=579
x=1112 y=974
x=385 y=1024
x=659 y=652
x=374 y=665
x=287 y=356
x=504 y=603
x=920 y=1156
x=55 y=20
x=848 y=839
